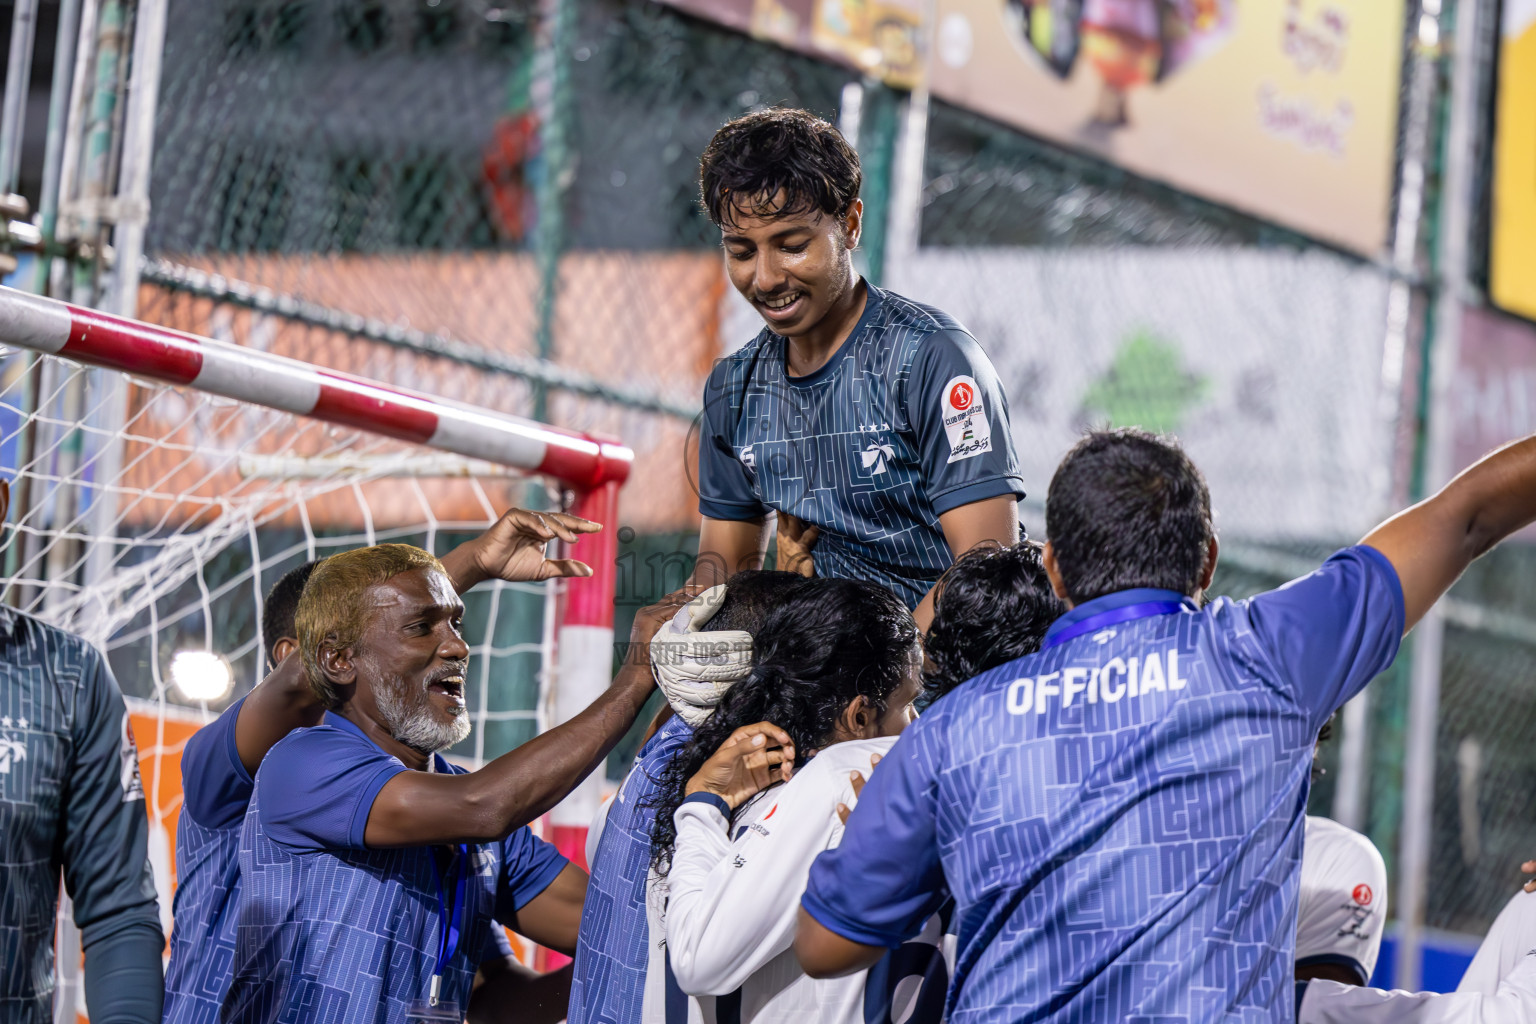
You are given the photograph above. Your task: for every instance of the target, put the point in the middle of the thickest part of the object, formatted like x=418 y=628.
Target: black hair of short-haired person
x=991 y=606
x=753 y=159
x=822 y=645
x=278 y=609
x=750 y=597
x=1126 y=509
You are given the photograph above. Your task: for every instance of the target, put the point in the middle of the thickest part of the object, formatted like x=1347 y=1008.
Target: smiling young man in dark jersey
x=874 y=419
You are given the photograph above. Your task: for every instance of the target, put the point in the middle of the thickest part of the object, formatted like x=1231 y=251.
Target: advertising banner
x=877 y=37
x=1286 y=109
x=1266 y=365
x=1512 y=255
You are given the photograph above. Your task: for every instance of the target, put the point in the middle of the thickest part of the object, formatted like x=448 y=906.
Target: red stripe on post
x=585 y=461
x=102 y=340
x=589 y=601
x=373 y=407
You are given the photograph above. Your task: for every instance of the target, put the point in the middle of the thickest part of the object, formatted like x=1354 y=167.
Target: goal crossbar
x=582 y=461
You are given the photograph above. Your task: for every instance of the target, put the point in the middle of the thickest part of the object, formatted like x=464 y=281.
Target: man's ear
x=853 y=224
x=337 y=665
x=1208 y=573
x=284 y=647
x=1048 y=560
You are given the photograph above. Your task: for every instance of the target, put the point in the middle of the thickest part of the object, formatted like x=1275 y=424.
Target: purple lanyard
x=1114 y=616
x=448 y=924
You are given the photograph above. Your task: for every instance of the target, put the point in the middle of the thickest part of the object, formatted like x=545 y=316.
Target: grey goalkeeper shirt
x=70 y=801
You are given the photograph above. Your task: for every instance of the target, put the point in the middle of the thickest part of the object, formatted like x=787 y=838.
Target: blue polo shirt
x=216 y=789
x=328 y=929
x=1119 y=817
x=907 y=420
x=608 y=986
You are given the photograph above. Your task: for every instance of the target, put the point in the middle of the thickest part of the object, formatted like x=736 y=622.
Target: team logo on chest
x=965 y=419
x=12 y=748
x=874 y=458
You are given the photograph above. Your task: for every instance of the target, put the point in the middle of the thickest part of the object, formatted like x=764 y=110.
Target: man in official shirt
x=71 y=799
x=1119 y=817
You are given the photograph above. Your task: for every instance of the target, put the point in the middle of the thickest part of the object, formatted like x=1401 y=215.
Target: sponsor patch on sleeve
x=965 y=421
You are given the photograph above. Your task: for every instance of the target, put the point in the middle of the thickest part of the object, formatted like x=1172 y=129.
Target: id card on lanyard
x=434 y=1010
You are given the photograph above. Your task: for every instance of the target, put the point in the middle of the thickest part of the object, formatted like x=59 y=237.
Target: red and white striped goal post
x=591 y=466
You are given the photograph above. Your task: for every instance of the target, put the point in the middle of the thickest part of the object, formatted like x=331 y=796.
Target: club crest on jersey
x=965 y=419
x=875 y=456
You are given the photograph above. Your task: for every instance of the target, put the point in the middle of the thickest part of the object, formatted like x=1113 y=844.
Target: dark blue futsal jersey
x=906 y=421
x=70 y=799
x=330 y=930
x=1119 y=817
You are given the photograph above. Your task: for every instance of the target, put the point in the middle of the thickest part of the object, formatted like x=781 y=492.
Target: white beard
x=414 y=723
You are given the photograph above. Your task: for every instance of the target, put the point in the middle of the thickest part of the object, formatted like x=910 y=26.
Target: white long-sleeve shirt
x=1510 y=939
x=1513 y=1002
x=732 y=903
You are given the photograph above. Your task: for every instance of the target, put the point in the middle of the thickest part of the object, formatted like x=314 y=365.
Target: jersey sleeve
x=1509 y=938
x=1330 y=632
x=1343 y=902
x=725 y=487
x=528 y=865
x=1331 y=1002
x=731 y=906
x=316 y=787
x=956 y=406
x=105 y=832
x=884 y=880
x=216 y=788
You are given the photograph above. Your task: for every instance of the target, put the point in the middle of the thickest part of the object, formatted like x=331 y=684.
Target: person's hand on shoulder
x=755 y=757
x=1529 y=868
x=512 y=549
x=858 y=780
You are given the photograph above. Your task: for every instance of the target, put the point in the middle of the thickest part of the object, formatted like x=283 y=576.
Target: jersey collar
x=7 y=620
x=873 y=299
x=346 y=724
x=1156 y=599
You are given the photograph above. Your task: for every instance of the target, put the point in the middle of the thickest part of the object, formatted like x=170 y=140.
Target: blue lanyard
x=1114 y=616
x=448 y=925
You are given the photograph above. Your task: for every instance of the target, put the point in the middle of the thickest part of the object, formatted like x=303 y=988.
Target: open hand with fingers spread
x=858 y=780
x=512 y=549
x=755 y=757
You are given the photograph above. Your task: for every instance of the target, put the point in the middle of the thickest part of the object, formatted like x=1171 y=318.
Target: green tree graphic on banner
x=1146 y=386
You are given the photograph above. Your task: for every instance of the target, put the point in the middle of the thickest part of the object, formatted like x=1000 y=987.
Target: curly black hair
x=754 y=158
x=277 y=611
x=824 y=645
x=993 y=605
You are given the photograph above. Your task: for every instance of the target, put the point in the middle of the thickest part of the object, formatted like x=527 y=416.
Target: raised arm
x=726 y=547
x=421 y=808
x=1431 y=544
